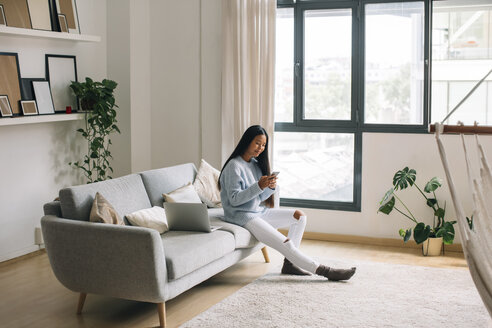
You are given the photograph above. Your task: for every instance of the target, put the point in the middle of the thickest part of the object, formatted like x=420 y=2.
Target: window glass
x=461 y=54
x=315 y=166
x=394 y=63
x=284 y=66
x=327 y=64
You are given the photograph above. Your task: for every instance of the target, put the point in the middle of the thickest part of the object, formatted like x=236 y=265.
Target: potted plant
x=432 y=238
x=98 y=102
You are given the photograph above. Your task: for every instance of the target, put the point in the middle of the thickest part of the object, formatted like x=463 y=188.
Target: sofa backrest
x=126 y=194
x=161 y=181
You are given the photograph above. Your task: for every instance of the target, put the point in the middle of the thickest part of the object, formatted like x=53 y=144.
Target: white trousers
x=264 y=228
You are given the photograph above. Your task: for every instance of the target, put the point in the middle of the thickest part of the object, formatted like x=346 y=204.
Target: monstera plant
x=404 y=179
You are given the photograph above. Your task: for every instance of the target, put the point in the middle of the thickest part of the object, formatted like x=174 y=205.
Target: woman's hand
x=267 y=181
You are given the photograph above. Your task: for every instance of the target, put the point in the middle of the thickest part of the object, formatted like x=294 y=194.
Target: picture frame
x=3 y=19
x=29 y=107
x=5 y=108
x=62 y=21
x=61 y=70
x=40 y=14
x=27 y=91
x=17 y=13
x=69 y=9
x=10 y=79
x=44 y=99
x=54 y=16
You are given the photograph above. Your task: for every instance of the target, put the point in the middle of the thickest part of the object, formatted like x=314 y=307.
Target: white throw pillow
x=153 y=218
x=186 y=194
x=206 y=184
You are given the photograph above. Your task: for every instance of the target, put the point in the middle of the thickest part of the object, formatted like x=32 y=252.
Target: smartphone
x=275 y=173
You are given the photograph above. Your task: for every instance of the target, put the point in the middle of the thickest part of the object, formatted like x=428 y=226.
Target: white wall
x=384 y=154
x=34 y=158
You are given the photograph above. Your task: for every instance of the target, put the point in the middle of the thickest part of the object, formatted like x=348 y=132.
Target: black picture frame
x=55 y=26
x=57 y=94
x=48 y=2
x=12 y=99
x=27 y=91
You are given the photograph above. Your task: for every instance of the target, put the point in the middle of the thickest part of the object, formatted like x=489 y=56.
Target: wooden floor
x=30 y=295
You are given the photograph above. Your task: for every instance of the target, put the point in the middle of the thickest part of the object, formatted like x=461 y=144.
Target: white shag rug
x=379 y=295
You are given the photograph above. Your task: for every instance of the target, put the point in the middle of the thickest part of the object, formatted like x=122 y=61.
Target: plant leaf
x=403 y=178
x=387 y=203
x=405 y=234
x=421 y=232
x=440 y=212
x=431 y=202
x=447 y=233
x=433 y=184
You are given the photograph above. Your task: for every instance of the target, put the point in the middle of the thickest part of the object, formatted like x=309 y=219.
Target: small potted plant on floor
x=431 y=238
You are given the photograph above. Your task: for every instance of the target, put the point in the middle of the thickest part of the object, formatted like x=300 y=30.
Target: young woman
x=247 y=188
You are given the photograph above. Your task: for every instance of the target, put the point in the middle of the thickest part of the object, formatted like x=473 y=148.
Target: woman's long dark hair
x=263 y=161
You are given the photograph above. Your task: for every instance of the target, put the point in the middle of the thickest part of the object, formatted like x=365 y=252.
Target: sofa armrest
x=120 y=261
x=52 y=208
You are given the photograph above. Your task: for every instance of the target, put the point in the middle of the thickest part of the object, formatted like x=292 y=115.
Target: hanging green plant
x=98 y=101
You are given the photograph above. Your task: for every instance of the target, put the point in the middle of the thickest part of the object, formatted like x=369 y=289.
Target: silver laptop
x=188 y=217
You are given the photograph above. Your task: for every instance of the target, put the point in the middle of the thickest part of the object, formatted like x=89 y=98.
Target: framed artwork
x=10 y=79
x=27 y=92
x=54 y=16
x=62 y=21
x=42 y=94
x=39 y=11
x=3 y=20
x=5 y=108
x=17 y=13
x=69 y=9
x=29 y=107
x=61 y=70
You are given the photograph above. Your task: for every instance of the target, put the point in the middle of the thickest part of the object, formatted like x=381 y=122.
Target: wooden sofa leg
x=81 y=302
x=161 y=308
x=265 y=254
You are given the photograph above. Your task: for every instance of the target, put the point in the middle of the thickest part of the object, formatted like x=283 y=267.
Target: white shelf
x=28 y=33
x=40 y=119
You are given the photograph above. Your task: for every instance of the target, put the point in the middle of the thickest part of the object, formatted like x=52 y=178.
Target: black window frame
x=356 y=124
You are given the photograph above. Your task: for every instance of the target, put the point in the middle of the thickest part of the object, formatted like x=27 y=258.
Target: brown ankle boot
x=290 y=268
x=335 y=274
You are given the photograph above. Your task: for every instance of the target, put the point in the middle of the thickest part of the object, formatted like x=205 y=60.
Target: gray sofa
x=132 y=262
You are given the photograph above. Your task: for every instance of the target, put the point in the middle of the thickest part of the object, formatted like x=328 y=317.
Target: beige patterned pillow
x=186 y=194
x=206 y=184
x=153 y=218
x=103 y=212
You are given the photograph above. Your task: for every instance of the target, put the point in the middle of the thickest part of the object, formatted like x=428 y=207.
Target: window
x=461 y=56
x=342 y=71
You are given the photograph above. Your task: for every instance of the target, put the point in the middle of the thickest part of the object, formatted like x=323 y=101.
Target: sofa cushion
x=103 y=212
x=127 y=194
x=186 y=194
x=163 y=181
x=243 y=238
x=187 y=251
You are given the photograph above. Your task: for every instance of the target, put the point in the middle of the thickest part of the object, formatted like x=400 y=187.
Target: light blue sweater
x=240 y=193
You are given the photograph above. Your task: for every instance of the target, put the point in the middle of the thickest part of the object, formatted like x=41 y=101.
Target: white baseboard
x=17 y=253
